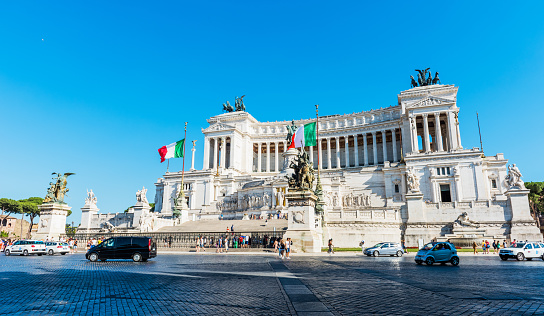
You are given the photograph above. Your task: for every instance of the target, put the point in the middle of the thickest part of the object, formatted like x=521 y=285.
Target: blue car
x=437 y=252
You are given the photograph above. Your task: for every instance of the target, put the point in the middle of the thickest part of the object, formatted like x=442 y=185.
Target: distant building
x=12 y=226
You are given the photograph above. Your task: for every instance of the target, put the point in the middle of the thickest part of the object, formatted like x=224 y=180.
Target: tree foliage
x=536 y=196
x=10 y=206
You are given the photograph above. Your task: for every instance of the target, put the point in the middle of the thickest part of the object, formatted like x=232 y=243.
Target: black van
x=135 y=248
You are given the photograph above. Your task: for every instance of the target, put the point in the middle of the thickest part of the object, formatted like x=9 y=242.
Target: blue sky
x=96 y=88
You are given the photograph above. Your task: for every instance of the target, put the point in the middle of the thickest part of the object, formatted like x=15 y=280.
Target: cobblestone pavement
x=175 y=284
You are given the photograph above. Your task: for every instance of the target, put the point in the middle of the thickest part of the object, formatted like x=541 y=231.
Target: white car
x=54 y=247
x=26 y=247
x=522 y=251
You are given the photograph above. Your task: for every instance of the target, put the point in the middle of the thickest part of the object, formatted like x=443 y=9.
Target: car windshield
x=518 y=245
x=428 y=246
x=377 y=245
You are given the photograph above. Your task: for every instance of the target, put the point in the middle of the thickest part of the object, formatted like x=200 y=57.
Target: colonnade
x=218 y=151
x=345 y=151
x=439 y=131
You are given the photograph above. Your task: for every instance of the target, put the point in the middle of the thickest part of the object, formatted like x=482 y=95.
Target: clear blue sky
x=96 y=88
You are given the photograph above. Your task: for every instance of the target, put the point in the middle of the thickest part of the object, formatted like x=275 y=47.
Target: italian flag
x=174 y=150
x=304 y=136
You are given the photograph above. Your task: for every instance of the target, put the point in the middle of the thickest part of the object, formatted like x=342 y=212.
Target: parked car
x=54 y=247
x=386 y=249
x=135 y=248
x=439 y=252
x=26 y=247
x=522 y=251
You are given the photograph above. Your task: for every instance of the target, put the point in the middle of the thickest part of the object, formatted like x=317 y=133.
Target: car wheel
x=542 y=257
x=8 y=253
x=520 y=256
x=399 y=253
x=63 y=253
x=375 y=253
x=429 y=261
x=504 y=258
x=25 y=252
x=455 y=261
x=137 y=257
x=93 y=257
x=50 y=252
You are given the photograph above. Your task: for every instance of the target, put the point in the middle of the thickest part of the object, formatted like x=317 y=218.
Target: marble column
x=267 y=156
x=394 y=139
x=223 y=151
x=374 y=149
x=356 y=150
x=426 y=132
x=384 y=145
x=320 y=154
x=438 y=132
x=329 y=166
x=413 y=133
x=215 y=151
x=458 y=131
x=231 y=162
x=193 y=159
x=337 y=152
x=346 y=150
x=276 y=147
x=365 y=148
x=259 y=164
x=206 y=154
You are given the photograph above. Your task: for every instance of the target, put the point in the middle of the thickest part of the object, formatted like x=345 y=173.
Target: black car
x=135 y=248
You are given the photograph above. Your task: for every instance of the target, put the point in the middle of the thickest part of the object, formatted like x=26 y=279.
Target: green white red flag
x=305 y=135
x=174 y=150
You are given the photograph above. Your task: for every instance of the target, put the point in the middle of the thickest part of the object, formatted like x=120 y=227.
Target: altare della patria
x=398 y=173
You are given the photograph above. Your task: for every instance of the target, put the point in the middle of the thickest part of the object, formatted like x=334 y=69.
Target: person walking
x=362 y=245
x=331 y=247
x=498 y=247
x=483 y=246
x=474 y=246
x=288 y=248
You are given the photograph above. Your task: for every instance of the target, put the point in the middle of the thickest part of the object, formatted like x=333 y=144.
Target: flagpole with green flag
x=318 y=188
x=182 y=194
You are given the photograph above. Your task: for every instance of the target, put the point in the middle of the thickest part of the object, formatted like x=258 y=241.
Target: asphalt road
x=258 y=284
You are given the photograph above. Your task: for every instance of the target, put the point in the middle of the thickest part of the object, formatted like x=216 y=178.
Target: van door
x=123 y=248
x=107 y=249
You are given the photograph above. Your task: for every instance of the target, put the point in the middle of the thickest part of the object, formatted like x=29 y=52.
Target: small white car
x=54 y=247
x=522 y=251
x=26 y=247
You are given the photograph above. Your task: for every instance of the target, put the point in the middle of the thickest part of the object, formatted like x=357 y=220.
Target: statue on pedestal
x=463 y=220
x=513 y=179
x=290 y=132
x=91 y=198
x=303 y=177
x=412 y=180
x=57 y=189
x=141 y=196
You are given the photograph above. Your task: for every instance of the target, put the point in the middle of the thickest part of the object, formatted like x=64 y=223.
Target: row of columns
x=451 y=139
x=328 y=164
x=219 y=154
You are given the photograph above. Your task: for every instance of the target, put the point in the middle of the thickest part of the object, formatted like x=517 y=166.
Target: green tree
x=30 y=209
x=10 y=206
x=536 y=196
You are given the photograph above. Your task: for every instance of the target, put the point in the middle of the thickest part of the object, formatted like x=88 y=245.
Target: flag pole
x=167 y=165
x=479 y=132
x=183 y=165
x=318 y=188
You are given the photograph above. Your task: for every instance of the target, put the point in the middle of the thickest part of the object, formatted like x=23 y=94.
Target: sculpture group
x=238 y=105
x=423 y=79
x=57 y=188
x=513 y=178
x=303 y=177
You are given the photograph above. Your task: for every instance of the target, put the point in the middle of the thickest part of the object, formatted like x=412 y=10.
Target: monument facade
x=390 y=174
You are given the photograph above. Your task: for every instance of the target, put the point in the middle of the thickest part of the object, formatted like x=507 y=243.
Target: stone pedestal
x=88 y=211
x=416 y=221
x=288 y=157
x=302 y=230
x=52 y=222
x=523 y=226
x=140 y=210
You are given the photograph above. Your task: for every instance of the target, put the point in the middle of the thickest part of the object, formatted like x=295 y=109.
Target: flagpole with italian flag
x=183 y=164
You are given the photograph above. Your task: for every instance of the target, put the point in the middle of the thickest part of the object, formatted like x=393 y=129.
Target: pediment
x=430 y=101
x=218 y=127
